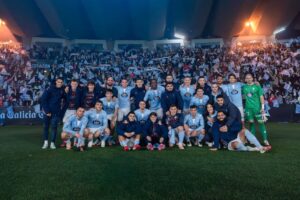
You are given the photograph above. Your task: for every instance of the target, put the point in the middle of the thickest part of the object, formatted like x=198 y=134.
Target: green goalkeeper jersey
x=252 y=95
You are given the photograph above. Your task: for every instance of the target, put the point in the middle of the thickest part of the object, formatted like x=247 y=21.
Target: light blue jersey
x=75 y=125
x=142 y=117
x=124 y=96
x=154 y=97
x=234 y=92
x=200 y=103
x=110 y=106
x=96 y=119
x=186 y=94
x=195 y=123
x=224 y=88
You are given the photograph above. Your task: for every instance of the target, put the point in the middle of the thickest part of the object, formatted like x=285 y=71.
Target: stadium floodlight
x=180 y=36
x=2 y=22
x=279 y=30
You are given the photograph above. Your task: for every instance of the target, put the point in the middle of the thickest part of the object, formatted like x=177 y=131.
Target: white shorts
x=109 y=117
x=241 y=109
x=238 y=139
x=68 y=114
x=123 y=113
x=94 y=130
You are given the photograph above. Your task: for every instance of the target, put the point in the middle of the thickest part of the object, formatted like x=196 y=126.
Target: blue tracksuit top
x=51 y=100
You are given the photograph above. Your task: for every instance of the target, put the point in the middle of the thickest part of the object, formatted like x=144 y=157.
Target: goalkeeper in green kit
x=254 y=108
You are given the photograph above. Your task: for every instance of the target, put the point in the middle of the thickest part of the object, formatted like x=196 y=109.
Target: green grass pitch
x=28 y=172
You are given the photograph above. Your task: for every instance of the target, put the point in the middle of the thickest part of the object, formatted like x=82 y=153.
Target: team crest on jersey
x=187 y=94
x=234 y=92
x=109 y=110
x=96 y=122
x=124 y=94
x=76 y=129
x=142 y=121
x=193 y=127
x=201 y=106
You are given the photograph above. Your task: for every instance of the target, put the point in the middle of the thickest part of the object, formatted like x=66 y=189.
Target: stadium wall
x=33 y=116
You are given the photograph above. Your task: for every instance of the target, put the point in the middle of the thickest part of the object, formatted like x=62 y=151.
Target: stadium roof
x=144 y=19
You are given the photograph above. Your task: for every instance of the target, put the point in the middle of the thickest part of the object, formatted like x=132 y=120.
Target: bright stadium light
x=279 y=30
x=180 y=36
x=2 y=22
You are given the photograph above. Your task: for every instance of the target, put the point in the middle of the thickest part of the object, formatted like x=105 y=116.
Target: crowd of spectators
x=25 y=73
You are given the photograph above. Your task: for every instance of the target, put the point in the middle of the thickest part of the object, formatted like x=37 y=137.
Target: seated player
x=209 y=118
x=223 y=131
x=129 y=133
x=243 y=137
x=174 y=122
x=154 y=133
x=194 y=127
x=142 y=115
x=74 y=128
x=97 y=125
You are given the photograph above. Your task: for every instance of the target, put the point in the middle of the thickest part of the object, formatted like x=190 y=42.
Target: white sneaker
x=45 y=145
x=189 y=144
x=102 y=143
x=199 y=144
x=52 y=145
x=90 y=144
x=180 y=146
x=252 y=148
x=209 y=144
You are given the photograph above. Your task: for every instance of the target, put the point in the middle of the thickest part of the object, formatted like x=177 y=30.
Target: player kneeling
x=74 y=128
x=174 y=122
x=243 y=137
x=97 y=125
x=154 y=133
x=194 y=127
x=129 y=133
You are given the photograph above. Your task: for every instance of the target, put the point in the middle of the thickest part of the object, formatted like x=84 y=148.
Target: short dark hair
x=193 y=107
x=109 y=91
x=91 y=83
x=249 y=73
x=222 y=111
x=172 y=105
x=220 y=96
x=153 y=114
x=232 y=75
x=99 y=101
x=169 y=83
